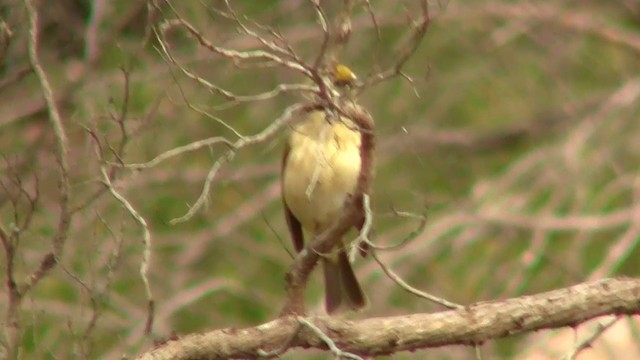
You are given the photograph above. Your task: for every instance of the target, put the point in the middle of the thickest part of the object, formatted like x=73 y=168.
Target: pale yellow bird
x=320 y=170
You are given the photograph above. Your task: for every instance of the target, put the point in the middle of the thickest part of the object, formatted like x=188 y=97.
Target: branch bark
x=474 y=324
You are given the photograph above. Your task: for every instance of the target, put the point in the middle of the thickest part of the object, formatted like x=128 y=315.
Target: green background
x=521 y=147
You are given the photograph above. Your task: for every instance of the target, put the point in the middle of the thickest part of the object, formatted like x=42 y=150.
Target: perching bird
x=320 y=169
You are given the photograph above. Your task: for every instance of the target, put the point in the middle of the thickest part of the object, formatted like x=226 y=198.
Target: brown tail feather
x=354 y=294
x=332 y=285
x=341 y=284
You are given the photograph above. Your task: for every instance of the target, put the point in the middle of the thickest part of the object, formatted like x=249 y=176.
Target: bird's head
x=343 y=76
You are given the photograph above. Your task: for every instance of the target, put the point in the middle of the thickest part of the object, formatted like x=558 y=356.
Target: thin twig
x=398 y=280
x=235 y=54
x=588 y=341
x=326 y=36
x=146 y=254
x=61 y=152
x=178 y=151
x=418 y=32
x=231 y=98
x=264 y=135
x=327 y=340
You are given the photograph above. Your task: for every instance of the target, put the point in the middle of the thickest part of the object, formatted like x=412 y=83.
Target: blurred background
x=518 y=139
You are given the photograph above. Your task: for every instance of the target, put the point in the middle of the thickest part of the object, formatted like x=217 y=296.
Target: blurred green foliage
x=523 y=133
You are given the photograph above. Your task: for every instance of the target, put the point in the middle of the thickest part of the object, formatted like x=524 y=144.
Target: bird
x=320 y=169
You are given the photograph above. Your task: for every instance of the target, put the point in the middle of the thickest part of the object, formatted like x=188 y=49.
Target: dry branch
x=474 y=324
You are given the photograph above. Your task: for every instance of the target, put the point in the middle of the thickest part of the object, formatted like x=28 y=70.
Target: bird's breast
x=321 y=171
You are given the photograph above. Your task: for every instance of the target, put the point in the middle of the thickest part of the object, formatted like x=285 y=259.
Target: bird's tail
x=341 y=284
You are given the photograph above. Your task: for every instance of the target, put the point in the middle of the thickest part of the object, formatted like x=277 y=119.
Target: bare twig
x=119 y=152
x=64 y=220
x=283 y=347
x=5 y=39
x=111 y=265
x=327 y=340
x=326 y=35
x=14 y=77
x=419 y=30
x=363 y=237
x=553 y=14
x=588 y=341
x=231 y=98
x=398 y=280
x=374 y=20
x=180 y=150
x=146 y=255
x=234 y=54
x=422 y=224
x=266 y=134
x=92 y=42
x=186 y=100
x=286 y=51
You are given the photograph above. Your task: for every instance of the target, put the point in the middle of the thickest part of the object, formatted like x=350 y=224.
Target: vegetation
x=512 y=129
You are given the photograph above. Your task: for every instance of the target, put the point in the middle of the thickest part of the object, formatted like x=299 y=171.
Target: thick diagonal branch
x=474 y=324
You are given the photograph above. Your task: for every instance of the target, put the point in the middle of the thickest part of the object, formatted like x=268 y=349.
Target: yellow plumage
x=322 y=170
x=321 y=167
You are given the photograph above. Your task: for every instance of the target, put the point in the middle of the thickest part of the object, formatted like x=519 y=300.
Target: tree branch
x=50 y=260
x=474 y=324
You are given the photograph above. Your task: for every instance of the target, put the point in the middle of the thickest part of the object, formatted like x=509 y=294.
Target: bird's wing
x=295 y=228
